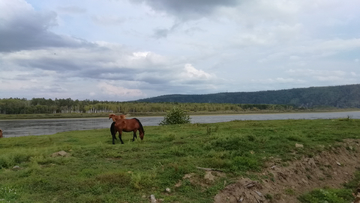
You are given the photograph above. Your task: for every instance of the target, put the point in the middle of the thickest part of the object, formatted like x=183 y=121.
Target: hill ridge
x=342 y=96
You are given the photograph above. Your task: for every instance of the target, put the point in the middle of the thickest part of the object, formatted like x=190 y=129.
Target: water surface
x=15 y=128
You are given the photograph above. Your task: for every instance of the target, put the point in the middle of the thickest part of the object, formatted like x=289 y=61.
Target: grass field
x=97 y=171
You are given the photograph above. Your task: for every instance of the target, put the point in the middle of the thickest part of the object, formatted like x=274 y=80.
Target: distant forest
x=49 y=106
x=346 y=96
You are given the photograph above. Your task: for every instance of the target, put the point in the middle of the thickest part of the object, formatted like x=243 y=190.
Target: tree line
x=49 y=106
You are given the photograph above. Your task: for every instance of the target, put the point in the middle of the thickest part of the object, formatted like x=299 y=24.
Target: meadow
x=95 y=170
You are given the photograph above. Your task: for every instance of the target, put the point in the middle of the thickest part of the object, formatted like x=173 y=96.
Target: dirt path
x=331 y=168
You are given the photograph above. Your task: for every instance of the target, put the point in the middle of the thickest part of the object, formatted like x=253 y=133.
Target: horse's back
x=127 y=125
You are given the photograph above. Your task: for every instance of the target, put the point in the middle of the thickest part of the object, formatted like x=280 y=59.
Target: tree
x=175 y=116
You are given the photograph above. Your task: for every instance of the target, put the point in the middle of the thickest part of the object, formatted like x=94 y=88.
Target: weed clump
x=327 y=195
x=175 y=116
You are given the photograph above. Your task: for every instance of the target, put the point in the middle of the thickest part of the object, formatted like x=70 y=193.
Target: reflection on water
x=15 y=128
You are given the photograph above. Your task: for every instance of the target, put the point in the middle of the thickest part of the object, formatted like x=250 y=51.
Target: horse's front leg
x=134 y=135
x=113 y=137
x=120 y=137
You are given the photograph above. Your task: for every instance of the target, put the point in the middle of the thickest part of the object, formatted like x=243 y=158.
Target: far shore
x=156 y=114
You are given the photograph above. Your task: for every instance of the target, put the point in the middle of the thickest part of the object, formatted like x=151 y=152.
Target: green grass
x=98 y=171
x=331 y=195
x=328 y=195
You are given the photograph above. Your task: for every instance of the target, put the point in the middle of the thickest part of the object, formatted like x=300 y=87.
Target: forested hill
x=346 y=96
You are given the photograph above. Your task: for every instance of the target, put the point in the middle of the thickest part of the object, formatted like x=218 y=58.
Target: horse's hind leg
x=120 y=138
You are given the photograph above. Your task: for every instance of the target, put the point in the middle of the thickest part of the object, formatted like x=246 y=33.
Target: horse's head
x=111 y=115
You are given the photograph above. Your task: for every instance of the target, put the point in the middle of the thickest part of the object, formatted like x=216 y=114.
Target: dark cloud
x=189 y=9
x=50 y=64
x=108 y=74
x=30 y=30
x=161 y=33
x=53 y=88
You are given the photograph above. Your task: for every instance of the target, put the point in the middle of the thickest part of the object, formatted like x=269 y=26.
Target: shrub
x=175 y=116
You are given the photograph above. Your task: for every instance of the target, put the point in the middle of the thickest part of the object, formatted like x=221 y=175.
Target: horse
x=127 y=125
x=115 y=117
x=1 y=134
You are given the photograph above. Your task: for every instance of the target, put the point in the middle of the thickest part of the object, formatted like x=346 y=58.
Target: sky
x=124 y=50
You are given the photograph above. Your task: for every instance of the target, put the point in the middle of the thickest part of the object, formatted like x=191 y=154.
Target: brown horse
x=115 y=117
x=127 y=125
x=1 y=134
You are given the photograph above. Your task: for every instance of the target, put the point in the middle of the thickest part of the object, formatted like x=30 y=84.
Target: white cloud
x=192 y=73
x=113 y=90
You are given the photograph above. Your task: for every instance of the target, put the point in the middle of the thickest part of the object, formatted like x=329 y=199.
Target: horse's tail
x=142 y=131
x=112 y=129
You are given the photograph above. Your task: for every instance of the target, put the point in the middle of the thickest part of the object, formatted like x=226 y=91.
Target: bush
x=175 y=116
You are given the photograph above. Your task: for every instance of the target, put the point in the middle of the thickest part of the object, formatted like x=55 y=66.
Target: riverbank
x=180 y=163
x=26 y=127
x=149 y=114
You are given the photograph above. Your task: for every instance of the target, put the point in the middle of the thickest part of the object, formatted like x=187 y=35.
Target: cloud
x=109 y=64
x=323 y=75
x=192 y=73
x=278 y=80
x=108 y=20
x=189 y=9
x=324 y=48
x=161 y=33
x=22 y=28
x=316 y=73
x=71 y=9
x=119 y=91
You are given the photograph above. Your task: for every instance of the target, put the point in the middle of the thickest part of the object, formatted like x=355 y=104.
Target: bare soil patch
x=284 y=184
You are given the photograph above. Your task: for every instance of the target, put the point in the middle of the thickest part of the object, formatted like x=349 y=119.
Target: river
x=16 y=128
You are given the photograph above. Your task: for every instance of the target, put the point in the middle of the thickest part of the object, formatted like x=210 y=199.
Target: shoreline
x=5 y=117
